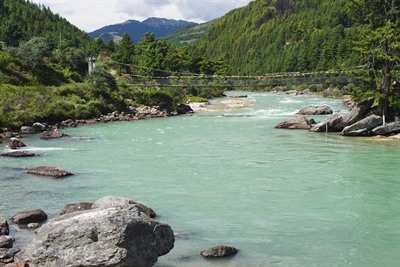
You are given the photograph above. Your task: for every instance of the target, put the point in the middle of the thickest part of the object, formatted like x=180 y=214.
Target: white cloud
x=90 y=15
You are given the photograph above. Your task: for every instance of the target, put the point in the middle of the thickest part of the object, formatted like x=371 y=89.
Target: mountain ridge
x=136 y=29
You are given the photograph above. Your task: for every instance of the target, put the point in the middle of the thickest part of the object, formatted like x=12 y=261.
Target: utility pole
x=91 y=64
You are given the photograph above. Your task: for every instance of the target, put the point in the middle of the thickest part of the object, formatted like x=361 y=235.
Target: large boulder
x=298 y=122
x=115 y=236
x=315 y=110
x=30 y=216
x=49 y=171
x=363 y=127
x=387 y=129
x=359 y=112
x=333 y=123
x=15 y=143
x=114 y=201
x=219 y=251
x=4 y=228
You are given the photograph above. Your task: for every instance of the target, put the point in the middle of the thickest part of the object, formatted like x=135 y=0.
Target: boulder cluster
x=112 y=231
x=360 y=121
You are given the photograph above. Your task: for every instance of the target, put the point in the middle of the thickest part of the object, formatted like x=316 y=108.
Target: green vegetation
x=43 y=58
x=187 y=36
x=270 y=36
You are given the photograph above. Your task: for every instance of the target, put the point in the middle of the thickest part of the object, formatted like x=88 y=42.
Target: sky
x=90 y=15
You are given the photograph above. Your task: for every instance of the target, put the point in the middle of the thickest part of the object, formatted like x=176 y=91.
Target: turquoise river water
x=282 y=197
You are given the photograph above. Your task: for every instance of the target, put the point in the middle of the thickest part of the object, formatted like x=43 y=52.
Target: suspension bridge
x=336 y=76
x=237 y=82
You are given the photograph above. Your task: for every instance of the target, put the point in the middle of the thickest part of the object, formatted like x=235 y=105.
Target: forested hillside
x=283 y=35
x=21 y=20
x=38 y=46
x=189 y=35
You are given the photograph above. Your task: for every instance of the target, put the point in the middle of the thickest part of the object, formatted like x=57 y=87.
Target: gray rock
x=57 y=133
x=315 y=110
x=298 y=122
x=219 y=251
x=27 y=130
x=115 y=236
x=359 y=112
x=4 y=228
x=184 y=109
x=49 y=171
x=6 y=241
x=363 y=127
x=333 y=123
x=387 y=129
x=17 y=263
x=15 y=143
x=7 y=254
x=30 y=216
x=18 y=154
x=39 y=127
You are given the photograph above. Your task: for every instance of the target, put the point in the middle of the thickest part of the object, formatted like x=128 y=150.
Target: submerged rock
x=50 y=171
x=219 y=251
x=114 y=236
x=30 y=216
x=18 y=154
x=57 y=133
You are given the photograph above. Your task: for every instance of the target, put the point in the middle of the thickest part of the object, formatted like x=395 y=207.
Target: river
x=282 y=197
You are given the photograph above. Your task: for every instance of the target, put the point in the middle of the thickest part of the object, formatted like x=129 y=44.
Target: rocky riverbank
x=53 y=131
x=362 y=120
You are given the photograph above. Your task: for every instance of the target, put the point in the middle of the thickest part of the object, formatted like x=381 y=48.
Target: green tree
x=33 y=51
x=381 y=46
x=100 y=79
x=124 y=51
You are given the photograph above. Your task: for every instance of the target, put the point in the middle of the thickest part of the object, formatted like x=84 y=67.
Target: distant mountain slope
x=137 y=29
x=188 y=35
x=285 y=35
